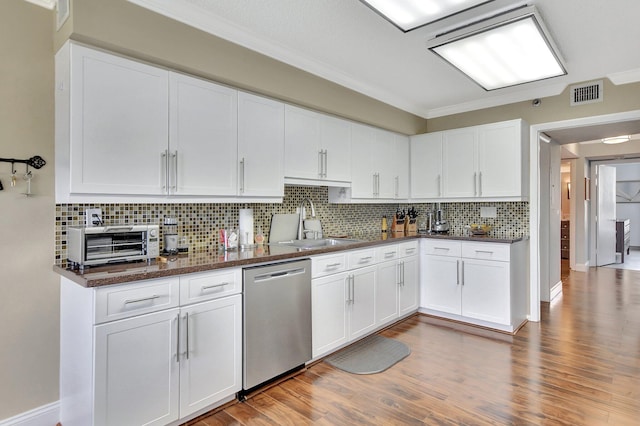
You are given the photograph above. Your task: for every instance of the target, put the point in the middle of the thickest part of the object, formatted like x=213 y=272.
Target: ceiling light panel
x=411 y=14
x=503 y=53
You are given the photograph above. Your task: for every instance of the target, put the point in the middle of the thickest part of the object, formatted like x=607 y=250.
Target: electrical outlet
x=93 y=217
x=488 y=212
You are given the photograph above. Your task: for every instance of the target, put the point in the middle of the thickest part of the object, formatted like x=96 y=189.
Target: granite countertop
x=202 y=261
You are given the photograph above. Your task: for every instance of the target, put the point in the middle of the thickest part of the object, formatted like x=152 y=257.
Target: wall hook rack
x=36 y=162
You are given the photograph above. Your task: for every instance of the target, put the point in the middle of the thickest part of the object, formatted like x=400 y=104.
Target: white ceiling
x=346 y=42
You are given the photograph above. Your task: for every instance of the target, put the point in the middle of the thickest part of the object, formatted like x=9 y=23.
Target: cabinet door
x=329 y=313
x=137 y=370
x=442 y=284
x=363 y=142
x=260 y=146
x=409 y=286
x=499 y=160
x=426 y=165
x=119 y=115
x=485 y=293
x=335 y=139
x=384 y=164
x=387 y=292
x=203 y=137
x=302 y=156
x=401 y=166
x=363 y=301
x=459 y=176
x=211 y=362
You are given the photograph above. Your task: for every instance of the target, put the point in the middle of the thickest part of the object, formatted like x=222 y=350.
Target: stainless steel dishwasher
x=277 y=320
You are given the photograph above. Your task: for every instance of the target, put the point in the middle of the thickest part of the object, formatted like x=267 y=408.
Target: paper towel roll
x=245 y=224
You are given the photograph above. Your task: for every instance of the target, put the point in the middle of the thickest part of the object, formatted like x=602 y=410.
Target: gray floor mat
x=372 y=354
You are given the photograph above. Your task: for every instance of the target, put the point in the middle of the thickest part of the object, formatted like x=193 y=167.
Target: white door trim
x=534 y=199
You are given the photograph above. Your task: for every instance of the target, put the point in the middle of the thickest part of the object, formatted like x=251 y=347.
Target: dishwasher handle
x=279 y=274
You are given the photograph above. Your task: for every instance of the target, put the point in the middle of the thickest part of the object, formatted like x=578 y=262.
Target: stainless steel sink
x=313 y=244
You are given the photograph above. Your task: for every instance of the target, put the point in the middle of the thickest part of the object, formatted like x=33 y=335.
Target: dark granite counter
x=201 y=261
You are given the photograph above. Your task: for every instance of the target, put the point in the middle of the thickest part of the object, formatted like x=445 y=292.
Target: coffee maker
x=170 y=230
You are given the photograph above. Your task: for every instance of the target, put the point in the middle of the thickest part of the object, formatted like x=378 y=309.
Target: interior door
x=606 y=216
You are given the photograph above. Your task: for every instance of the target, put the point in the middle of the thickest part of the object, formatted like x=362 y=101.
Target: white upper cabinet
x=202 y=154
x=480 y=162
x=335 y=140
x=260 y=146
x=118 y=116
x=317 y=148
x=426 y=165
x=459 y=163
x=379 y=165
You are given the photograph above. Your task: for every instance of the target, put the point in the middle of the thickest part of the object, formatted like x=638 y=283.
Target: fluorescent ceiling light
x=502 y=51
x=411 y=14
x=616 y=139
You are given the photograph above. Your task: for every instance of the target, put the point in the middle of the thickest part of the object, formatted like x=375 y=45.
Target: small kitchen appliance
x=101 y=245
x=170 y=231
x=440 y=224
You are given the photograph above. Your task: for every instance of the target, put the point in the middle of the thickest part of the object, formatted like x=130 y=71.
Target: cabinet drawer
x=327 y=265
x=387 y=252
x=124 y=301
x=486 y=251
x=209 y=285
x=360 y=258
x=442 y=247
x=409 y=248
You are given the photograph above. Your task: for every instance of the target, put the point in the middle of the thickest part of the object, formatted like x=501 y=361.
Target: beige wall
x=29 y=295
x=556 y=108
x=129 y=29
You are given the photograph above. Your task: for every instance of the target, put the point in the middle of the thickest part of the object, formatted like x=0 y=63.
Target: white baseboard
x=582 y=267
x=46 y=415
x=556 y=290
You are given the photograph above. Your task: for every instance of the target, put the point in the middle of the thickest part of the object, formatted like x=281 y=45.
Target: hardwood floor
x=579 y=366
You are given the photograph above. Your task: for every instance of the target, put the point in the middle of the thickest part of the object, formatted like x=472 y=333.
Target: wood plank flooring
x=579 y=366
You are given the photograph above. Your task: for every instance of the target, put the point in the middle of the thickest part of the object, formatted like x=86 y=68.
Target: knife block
x=411 y=227
x=397 y=227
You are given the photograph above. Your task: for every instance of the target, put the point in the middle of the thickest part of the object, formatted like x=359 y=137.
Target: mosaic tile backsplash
x=200 y=222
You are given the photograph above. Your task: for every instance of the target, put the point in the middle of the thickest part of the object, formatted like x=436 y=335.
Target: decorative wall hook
x=36 y=162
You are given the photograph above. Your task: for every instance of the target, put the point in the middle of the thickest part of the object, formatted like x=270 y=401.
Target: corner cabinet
x=475 y=282
x=487 y=162
x=126 y=130
x=153 y=352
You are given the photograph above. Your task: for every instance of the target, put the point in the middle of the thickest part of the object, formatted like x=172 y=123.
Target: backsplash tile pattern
x=200 y=222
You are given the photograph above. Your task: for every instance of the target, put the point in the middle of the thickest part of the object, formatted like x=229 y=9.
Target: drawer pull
x=389 y=254
x=441 y=248
x=143 y=299
x=365 y=259
x=410 y=250
x=207 y=287
x=484 y=251
x=332 y=265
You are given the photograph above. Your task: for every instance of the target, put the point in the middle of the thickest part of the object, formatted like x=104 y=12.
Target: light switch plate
x=488 y=212
x=91 y=216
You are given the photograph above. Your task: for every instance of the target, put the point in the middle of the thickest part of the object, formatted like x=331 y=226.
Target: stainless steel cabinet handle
x=207 y=287
x=374 y=185
x=389 y=254
x=457 y=272
x=364 y=259
x=320 y=165
x=475 y=184
x=142 y=299
x=242 y=175
x=480 y=184
x=397 y=186
x=399 y=274
x=326 y=161
x=484 y=251
x=410 y=250
x=164 y=175
x=353 y=289
x=378 y=184
x=177 y=321
x=186 y=320
x=439 y=186
x=174 y=156
x=332 y=265
x=462 y=272
x=402 y=274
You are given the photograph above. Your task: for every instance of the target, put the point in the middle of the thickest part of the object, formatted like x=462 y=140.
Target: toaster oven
x=101 y=245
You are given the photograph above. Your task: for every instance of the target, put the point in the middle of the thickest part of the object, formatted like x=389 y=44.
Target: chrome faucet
x=313 y=215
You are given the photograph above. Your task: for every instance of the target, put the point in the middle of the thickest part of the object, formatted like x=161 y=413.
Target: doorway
x=539 y=248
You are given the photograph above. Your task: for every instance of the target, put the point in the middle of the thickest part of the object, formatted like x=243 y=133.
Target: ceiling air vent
x=586 y=93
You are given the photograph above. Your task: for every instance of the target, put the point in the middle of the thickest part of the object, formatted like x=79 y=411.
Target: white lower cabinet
x=480 y=283
x=163 y=362
x=363 y=291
